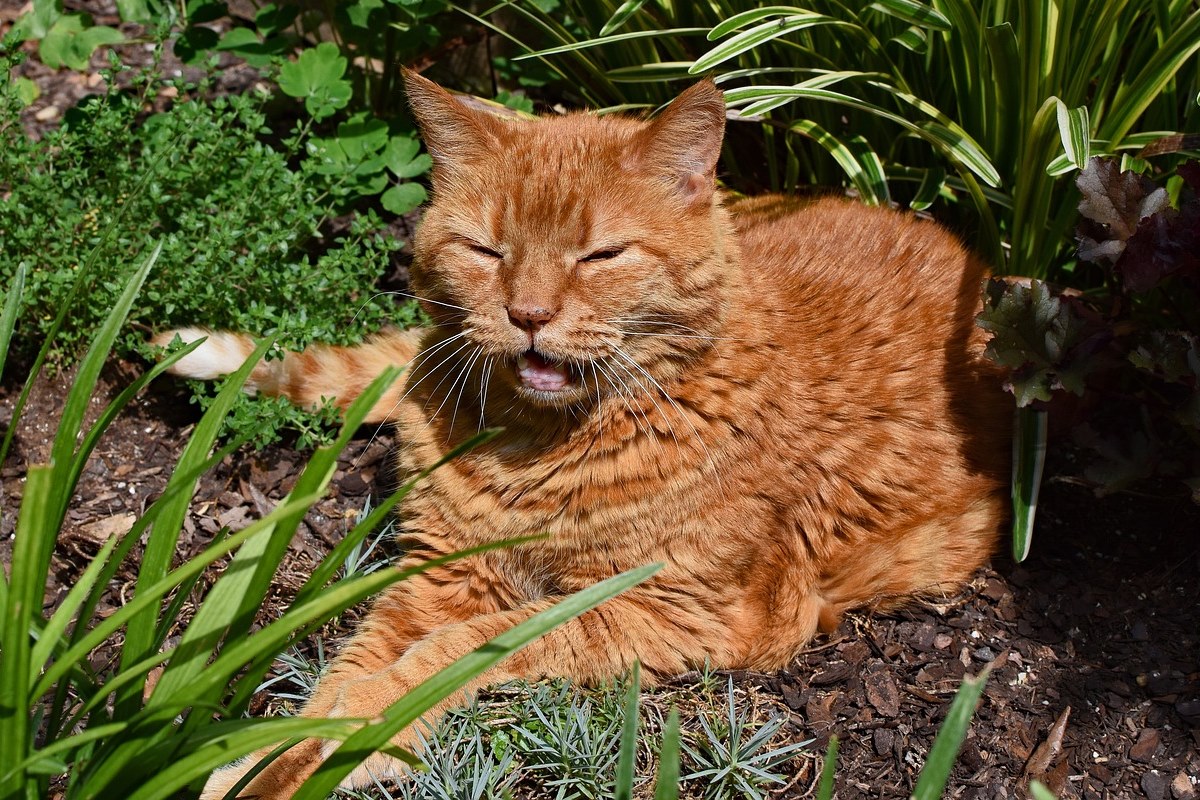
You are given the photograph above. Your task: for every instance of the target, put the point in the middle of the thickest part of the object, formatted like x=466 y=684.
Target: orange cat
x=785 y=404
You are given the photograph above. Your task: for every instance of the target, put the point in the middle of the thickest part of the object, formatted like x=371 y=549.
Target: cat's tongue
x=538 y=372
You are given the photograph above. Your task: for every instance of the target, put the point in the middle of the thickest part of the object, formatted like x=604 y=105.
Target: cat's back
x=859 y=258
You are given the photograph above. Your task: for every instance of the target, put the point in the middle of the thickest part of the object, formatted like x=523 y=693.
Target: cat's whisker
x=661 y=413
x=626 y=396
x=599 y=409
x=483 y=387
x=409 y=368
x=452 y=371
x=466 y=376
x=427 y=300
x=679 y=410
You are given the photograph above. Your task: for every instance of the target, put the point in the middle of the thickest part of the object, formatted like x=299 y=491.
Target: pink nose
x=530 y=317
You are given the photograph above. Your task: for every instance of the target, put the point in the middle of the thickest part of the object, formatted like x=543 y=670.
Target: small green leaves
x=363 y=154
x=402 y=198
x=316 y=76
x=71 y=41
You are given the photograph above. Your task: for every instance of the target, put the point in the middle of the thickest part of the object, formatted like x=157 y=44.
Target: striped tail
x=307 y=377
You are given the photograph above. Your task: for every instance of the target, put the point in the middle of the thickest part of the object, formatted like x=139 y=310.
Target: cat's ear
x=684 y=141
x=454 y=133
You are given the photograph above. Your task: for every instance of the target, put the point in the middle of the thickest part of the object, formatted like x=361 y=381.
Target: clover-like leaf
x=402 y=198
x=316 y=76
x=1040 y=339
x=72 y=40
x=404 y=158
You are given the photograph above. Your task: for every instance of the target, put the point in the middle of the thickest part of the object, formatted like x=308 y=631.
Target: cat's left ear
x=454 y=133
x=684 y=141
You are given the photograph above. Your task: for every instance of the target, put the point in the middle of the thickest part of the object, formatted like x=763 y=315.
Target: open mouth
x=542 y=373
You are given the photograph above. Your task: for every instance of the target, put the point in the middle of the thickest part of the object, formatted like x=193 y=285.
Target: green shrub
x=245 y=219
x=911 y=101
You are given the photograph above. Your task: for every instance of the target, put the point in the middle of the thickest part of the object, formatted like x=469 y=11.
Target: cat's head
x=584 y=254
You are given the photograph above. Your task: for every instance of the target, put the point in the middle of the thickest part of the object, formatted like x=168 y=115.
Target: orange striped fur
x=787 y=406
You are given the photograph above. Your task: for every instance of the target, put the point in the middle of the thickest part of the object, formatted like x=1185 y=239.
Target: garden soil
x=1093 y=644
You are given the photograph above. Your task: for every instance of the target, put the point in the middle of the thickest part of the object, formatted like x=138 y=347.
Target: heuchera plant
x=1130 y=351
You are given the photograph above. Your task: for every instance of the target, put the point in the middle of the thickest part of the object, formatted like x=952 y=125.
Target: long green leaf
x=944 y=752
x=629 y=728
x=828 y=771
x=617 y=37
x=36 y=529
x=12 y=305
x=744 y=18
x=914 y=12
x=1075 y=131
x=450 y=680
x=160 y=548
x=1029 y=460
x=757 y=36
x=666 y=784
x=621 y=15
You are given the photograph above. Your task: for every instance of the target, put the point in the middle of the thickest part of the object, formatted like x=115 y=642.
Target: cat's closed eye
x=485 y=251
x=603 y=254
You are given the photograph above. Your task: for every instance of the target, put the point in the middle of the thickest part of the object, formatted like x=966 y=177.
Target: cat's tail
x=305 y=378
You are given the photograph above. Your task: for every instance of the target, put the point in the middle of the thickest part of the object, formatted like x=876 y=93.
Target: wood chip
x=102 y=529
x=882 y=692
x=1048 y=751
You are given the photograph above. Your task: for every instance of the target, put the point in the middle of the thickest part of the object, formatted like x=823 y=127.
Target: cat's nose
x=530 y=317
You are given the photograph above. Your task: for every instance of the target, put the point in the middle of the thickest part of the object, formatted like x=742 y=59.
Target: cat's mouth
x=543 y=373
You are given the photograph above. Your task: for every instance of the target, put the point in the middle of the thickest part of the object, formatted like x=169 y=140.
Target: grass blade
x=759 y=35
x=944 y=752
x=450 y=680
x=828 y=771
x=666 y=785
x=1029 y=460
x=8 y=317
x=621 y=15
x=1075 y=131
x=36 y=530
x=625 y=762
x=913 y=12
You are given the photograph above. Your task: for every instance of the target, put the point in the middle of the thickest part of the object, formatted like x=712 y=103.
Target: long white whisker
x=466 y=376
x=427 y=300
x=625 y=396
x=416 y=361
x=699 y=439
x=653 y=399
x=483 y=387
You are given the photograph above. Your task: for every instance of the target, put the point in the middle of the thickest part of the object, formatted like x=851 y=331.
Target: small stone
x=1182 y=788
x=984 y=654
x=47 y=114
x=1154 y=785
x=942 y=641
x=1144 y=748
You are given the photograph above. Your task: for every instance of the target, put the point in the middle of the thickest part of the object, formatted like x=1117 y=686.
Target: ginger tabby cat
x=785 y=404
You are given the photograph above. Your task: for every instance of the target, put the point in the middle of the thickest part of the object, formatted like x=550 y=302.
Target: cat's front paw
x=279 y=780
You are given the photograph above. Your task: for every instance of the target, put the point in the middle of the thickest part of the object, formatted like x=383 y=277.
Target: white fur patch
x=221 y=354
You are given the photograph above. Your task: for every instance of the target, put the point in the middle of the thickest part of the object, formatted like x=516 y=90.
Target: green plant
x=246 y=225
x=931 y=783
x=732 y=761
x=1129 y=350
x=97 y=730
x=983 y=103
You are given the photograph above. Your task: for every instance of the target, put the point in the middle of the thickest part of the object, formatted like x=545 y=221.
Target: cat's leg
x=402 y=615
x=307 y=377
x=669 y=629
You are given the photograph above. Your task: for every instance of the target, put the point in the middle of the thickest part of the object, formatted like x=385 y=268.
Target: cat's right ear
x=453 y=132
